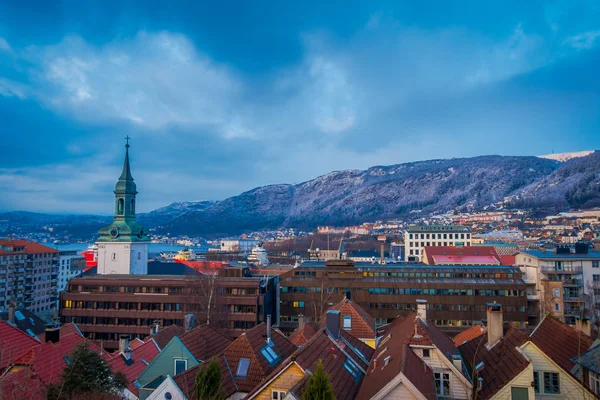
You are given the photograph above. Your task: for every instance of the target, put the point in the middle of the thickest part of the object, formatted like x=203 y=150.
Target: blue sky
x=220 y=98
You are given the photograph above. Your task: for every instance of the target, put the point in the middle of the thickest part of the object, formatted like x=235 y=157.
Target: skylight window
x=352 y=368
x=19 y=315
x=242 y=368
x=347 y=322
x=269 y=354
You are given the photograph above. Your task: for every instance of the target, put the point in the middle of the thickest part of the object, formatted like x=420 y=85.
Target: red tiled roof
x=363 y=325
x=135 y=343
x=13 y=343
x=301 y=336
x=508 y=260
x=204 y=342
x=248 y=345
x=501 y=363
x=140 y=356
x=464 y=254
x=186 y=380
x=30 y=247
x=23 y=384
x=560 y=342
x=469 y=334
x=164 y=335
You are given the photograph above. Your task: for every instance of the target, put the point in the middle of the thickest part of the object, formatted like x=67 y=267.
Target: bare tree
x=321 y=297
x=207 y=303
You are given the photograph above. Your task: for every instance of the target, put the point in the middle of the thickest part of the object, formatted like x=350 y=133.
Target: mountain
x=353 y=196
x=562 y=157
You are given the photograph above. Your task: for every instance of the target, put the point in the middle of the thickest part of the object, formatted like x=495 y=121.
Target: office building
x=416 y=237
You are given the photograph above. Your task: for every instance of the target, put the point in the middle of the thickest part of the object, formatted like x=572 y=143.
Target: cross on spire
x=127 y=139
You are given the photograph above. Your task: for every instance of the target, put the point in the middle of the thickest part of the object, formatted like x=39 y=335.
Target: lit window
x=347 y=322
x=242 y=368
x=180 y=366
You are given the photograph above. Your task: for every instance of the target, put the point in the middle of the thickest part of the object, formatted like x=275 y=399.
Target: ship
x=258 y=256
x=185 y=255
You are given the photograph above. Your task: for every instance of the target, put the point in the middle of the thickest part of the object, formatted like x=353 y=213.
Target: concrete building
x=28 y=275
x=575 y=273
x=457 y=295
x=70 y=265
x=416 y=237
x=238 y=245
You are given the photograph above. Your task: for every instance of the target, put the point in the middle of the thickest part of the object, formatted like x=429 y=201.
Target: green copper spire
x=124 y=228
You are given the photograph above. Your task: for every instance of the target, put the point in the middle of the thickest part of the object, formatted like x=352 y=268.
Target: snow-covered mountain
x=562 y=157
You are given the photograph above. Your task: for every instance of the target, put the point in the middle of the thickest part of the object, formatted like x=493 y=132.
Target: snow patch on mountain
x=562 y=157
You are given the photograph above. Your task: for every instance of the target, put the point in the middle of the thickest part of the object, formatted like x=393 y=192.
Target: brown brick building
x=105 y=306
x=456 y=295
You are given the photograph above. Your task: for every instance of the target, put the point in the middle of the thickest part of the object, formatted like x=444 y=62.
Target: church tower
x=123 y=245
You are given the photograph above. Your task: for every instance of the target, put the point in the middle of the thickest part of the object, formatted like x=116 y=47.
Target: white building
x=238 y=245
x=416 y=237
x=70 y=265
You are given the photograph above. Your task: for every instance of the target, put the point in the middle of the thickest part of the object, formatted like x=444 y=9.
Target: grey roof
x=590 y=359
x=26 y=321
x=551 y=255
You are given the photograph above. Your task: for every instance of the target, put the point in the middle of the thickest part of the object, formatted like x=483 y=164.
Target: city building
x=123 y=244
x=237 y=245
x=105 y=306
x=558 y=280
x=457 y=295
x=460 y=255
x=416 y=237
x=28 y=275
x=70 y=265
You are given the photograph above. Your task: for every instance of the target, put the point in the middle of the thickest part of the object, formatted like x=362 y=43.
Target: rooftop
x=551 y=255
x=22 y=246
x=437 y=228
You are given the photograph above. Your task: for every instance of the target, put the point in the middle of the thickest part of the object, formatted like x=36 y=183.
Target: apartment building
x=70 y=265
x=28 y=275
x=416 y=237
x=560 y=280
x=105 y=306
x=457 y=295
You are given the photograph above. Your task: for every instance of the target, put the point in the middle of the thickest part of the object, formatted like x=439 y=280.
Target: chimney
x=495 y=326
x=422 y=309
x=269 y=328
x=11 y=313
x=583 y=325
x=300 y=322
x=123 y=343
x=333 y=323
x=52 y=333
x=155 y=327
x=188 y=322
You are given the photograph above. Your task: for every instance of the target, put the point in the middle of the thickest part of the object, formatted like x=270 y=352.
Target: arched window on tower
x=114 y=257
x=132 y=206
x=120 y=206
x=139 y=255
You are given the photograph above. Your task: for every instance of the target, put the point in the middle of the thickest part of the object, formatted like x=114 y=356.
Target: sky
x=221 y=97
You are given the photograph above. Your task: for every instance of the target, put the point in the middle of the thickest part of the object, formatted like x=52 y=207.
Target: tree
x=86 y=375
x=318 y=386
x=208 y=382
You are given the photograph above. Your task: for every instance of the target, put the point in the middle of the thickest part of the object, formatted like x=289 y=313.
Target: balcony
x=3 y=271
x=572 y=282
x=20 y=270
x=573 y=298
x=574 y=269
x=533 y=297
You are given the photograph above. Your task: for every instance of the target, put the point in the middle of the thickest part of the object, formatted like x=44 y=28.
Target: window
x=352 y=368
x=277 y=395
x=596 y=278
x=595 y=382
x=139 y=255
x=551 y=383
x=180 y=366
x=120 y=206
x=557 y=307
x=536 y=381
x=519 y=393
x=426 y=353
x=596 y=264
x=113 y=257
x=270 y=355
x=442 y=383
x=347 y=322
x=242 y=368
x=556 y=292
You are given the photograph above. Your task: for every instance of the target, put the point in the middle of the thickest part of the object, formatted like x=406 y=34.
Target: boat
x=185 y=255
x=168 y=255
x=258 y=256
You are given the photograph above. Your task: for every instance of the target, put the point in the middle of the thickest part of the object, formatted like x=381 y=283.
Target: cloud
x=10 y=88
x=4 y=46
x=583 y=41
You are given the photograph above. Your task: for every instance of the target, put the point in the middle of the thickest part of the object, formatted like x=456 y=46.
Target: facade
x=238 y=245
x=70 y=265
x=457 y=295
x=576 y=273
x=28 y=275
x=123 y=245
x=416 y=237
x=105 y=306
